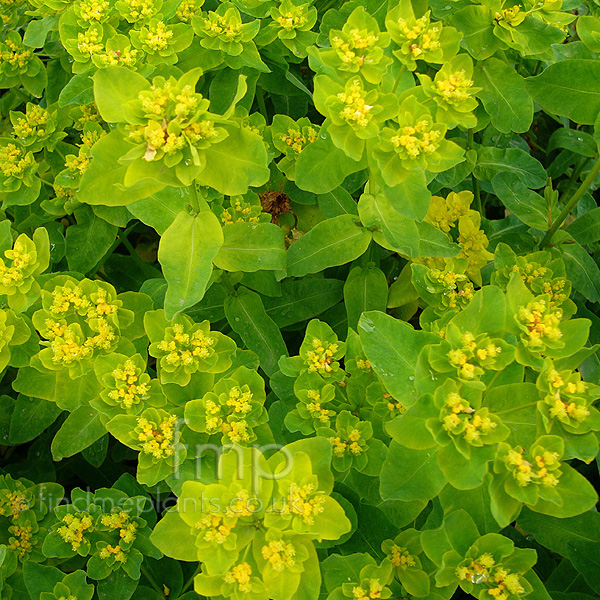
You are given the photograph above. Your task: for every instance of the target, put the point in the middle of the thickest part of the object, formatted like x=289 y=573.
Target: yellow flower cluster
x=524 y=473
x=21 y=539
x=236 y=431
x=184 y=349
x=459 y=357
x=125 y=58
x=186 y=10
x=296 y=140
x=455 y=89
x=511 y=15
x=14 y=162
x=444 y=213
x=242 y=505
x=401 y=557
x=501 y=583
x=157 y=36
x=129 y=391
x=319 y=359
x=462 y=415
x=12 y=504
x=240 y=574
x=114 y=551
x=371 y=593
x=315 y=408
x=353 y=47
x=423 y=36
x=90 y=41
x=121 y=520
x=66 y=344
x=140 y=9
x=458 y=288
x=293 y=19
x=74 y=527
x=473 y=241
x=93 y=10
x=356 y=111
x=279 y=554
x=33 y=124
x=393 y=405
x=240 y=214
x=351 y=444
x=15 y=56
x=532 y=272
x=417 y=139
x=217 y=25
x=14 y=275
x=216 y=530
x=304 y=501
x=157 y=439
x=541 y=322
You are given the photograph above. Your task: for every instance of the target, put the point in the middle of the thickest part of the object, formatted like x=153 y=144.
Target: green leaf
x=102 y=183
x=160 y=209
x=586 y=229
x=81 y=429
x=236 y=163
x=365 y=289
x=582 y=270
x=30 y=418
x=330 y=243
x=79 y=90
x=504 y=96
x=569 y=88
x=303 y=299
x=337 y=202
x=39 y=578
x=321 y=167
x=113 y=88
x=585 y=556
x=186 y=251
x=38 y=29
x=246 y=315
x=528 y=206
x=251 y=247
x=491 y=161
x=411 y=474
x=88 y=241
x=392 y=347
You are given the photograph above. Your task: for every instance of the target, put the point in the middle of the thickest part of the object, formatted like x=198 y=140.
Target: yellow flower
x=279 y=554
x=240 y=575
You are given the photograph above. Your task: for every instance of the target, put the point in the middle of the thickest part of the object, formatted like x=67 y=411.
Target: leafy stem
x=566 y=211
x=194 y=199
x=475 y=182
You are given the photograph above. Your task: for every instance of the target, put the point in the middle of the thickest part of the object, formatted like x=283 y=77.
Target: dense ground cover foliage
x=299 y=299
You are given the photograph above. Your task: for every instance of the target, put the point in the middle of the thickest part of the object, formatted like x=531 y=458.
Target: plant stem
x=132 y=251
x=190 y=581
x=194 y=198
x=398 y=78
x=152 y=580
x=108 y=254
x=474 y=182
x=575 y=198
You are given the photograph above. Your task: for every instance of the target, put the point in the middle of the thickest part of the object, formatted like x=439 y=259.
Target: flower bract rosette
x=291 y=138
x=20 y=66
x=39 y=127
x=73 y=585
x=314 y=409
x=106 y=527
x=368 y=583
x=543 y=329
x=18 y=167
x=127 y=388
x=136 y=11
x=118 y=52
x=183 y=347
x=160 y=42
x=354 y=445
x=359 y=47
x=156 y=434
x=232 y=410
x=403 y=552
x=567 y=402
x=453 y=92
x=354 y=112
x=319 y=353
x=291 y=24
x=418 y=143
x=492 y=567
x=417 y=38
x=225 y=37
x=539 y=479
x=467 y=357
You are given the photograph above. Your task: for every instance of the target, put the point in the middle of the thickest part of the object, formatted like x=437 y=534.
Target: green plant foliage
x=299 y=299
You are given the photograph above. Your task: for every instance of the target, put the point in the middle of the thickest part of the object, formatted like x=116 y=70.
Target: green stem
x=190 y=581
x=398 y=78
x=132 y=251
x=108 y=254
x=194 y=199
x=152 y=580
x=260 y=98
x=566 y=211
x=474 y=181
